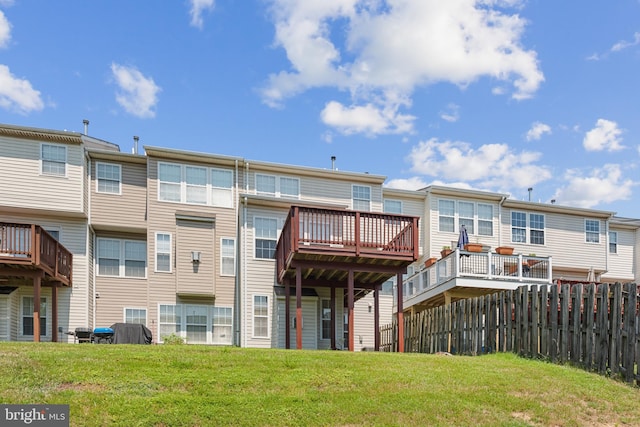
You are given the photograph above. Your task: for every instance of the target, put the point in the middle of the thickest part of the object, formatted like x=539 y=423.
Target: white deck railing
x=479 y=265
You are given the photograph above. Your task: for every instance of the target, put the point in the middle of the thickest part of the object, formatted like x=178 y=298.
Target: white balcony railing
x=479 y=265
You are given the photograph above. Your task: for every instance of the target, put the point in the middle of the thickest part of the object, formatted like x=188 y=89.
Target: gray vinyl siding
x=5 y=318
x=621 y=264
x=23 y=186
x=310 y=321
x=127 y=209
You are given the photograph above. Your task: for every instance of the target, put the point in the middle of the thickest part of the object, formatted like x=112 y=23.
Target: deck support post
x=350 y=299
x=54 y=313
x=287 y=314
x=400 y=314
x=299 y=308
x=376 y=318
x=37 y=282
x=333 y=318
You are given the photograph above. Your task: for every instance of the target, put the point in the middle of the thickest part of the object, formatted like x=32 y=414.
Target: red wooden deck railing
x=17 y=244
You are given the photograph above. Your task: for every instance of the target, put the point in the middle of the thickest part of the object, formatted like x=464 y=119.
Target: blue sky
x=499 y=95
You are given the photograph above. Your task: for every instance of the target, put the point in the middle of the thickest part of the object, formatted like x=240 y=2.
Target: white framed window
x=527 y=228
x=261 y=316
x=592 y=230
x=222 y=188
x=227 y=256
x=326 y=319
x=53 y=159
x=198 y=324
x=266 y=235
x=27 y=316
x=361 y=197
x=466 y=216
x=135 y=315
x=122 y=258
x=108 y=178
x=613 y=242
x=163 y=252
x=195 y=185
x=392 y=206
x=485 y=219
x=446 y=215
x=221 y=325
x=278 y=186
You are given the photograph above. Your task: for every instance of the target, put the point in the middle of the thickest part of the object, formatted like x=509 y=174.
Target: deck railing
x=479 y=265
x=359 y=233
x=17 y=243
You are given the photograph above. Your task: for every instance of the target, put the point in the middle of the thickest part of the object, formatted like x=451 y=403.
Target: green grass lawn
x=179 y=385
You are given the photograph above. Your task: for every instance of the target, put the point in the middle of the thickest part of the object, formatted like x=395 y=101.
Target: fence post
x=615 y=332
x=554 y=341
x=564 y=332
x=589 y=314
x=629 y=330
x=602 y=326
x=535 y=315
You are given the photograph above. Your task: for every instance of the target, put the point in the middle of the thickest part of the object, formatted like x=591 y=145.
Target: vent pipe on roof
x=333 y=163
x=135 y=144
x=86 y=126
x=530 y=189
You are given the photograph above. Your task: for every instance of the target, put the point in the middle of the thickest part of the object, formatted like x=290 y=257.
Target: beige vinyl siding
x=195 y=277
x=163 y=217
x=621 y=264
x=364 y=320
x=325 y=293
x=73 y=303
x=45 y=292
x=310 y=319
x=24 y=186
x=127 y=209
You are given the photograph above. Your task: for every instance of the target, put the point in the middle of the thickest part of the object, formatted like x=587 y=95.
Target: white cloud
x=137 y=94
x=452 y=114
x=537 y=130
x=623 y=44
x=605 y=136
x=603 y=185
x=198 y=7
x=5 y=31
x=414 y=183
x=489 y=166
x=17 y=94
x=391 y=48
x=367 y=119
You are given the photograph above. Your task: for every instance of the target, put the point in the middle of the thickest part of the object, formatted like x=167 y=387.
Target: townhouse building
x=228 y=251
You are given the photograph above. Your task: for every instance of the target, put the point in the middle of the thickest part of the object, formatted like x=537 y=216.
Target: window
x=326 y=319
x=196 y=317
x=485 y=220
x=27 y=316
x=613 y=242
x=361 y=196
x=163 y=252
x=54 y=159
x=196 y=180
x=446 y=215
x=392 y=206
x=170 y=177
x=266 y=230
x=108 y=178
x=519 y=228
x=122 y=258
x=135 y=315
x=592 y=231
x=278 y=186
x=222 y=188
x=227 y=257
x=193 y=184
x=199 y=324
x=261 y=316
x=222 y=322
x=466 y=216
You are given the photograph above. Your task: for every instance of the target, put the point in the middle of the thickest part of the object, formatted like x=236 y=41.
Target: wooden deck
x=27 y=249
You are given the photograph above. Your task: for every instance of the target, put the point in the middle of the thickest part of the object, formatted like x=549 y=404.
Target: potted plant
x=446 y=250
x=473 y=247
x=504 y=250
x=430 y=261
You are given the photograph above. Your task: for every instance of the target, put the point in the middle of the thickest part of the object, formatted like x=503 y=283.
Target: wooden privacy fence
x=593 y=326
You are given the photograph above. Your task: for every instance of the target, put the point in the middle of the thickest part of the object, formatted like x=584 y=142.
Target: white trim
x=98 y=164
x=384 y=205
x=528 y=228
x=66 y=157
x=124 y=313
x=122 y=257
x=22 y=315
x=587 y=232
x=253 y=317
x=256 y=238
x=609 y=242
x=182 y=310
x=208 y=186
x=155 y=256
x=222 y=257
x=277 y=190
x=353 y=186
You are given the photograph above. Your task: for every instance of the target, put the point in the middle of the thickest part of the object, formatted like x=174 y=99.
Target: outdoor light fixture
x=195 y=257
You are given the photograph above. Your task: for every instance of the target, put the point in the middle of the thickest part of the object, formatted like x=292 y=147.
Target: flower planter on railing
x=504 y=250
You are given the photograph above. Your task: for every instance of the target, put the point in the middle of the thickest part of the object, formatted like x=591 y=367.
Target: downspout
x=500 y=243
x=238 y=279
x=92 y=298
x=244 y=257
